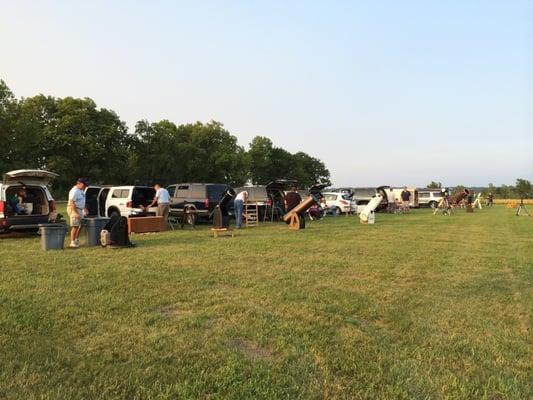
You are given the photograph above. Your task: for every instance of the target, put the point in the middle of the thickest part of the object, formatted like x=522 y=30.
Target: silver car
x=25 y=201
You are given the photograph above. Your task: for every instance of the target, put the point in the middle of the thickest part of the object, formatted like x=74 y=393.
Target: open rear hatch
x=29 y=177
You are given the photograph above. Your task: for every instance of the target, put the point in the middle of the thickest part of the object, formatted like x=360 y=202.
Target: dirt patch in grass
x=252 y=349
x=174 y=311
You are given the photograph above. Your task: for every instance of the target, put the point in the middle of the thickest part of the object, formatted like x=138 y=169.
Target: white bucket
x=28 y=207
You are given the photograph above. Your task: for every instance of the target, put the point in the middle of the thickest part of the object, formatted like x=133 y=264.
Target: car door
x=198 y=197
x=102 y=199
x=91 y=200
x=181 y=196
x=117 y=199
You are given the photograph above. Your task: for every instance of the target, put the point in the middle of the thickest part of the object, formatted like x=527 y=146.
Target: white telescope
x=370 y=207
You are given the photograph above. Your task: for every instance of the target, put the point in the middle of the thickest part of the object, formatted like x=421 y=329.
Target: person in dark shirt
x=406 y=196
x=292 y=199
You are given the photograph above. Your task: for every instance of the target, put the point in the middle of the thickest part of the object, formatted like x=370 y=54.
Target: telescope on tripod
x=521 y=208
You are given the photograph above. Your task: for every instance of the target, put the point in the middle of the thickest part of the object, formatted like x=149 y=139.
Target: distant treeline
x=522 y=189
x=73 y=137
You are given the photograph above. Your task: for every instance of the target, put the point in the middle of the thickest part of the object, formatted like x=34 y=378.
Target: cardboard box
x=146 y=224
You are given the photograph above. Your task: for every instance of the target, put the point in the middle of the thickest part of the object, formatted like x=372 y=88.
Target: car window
x=182 y=191
x=171 y=189
x=423 y=194
x=215 y=192
x=330 y=197
x=197 y=191
x=120 y=193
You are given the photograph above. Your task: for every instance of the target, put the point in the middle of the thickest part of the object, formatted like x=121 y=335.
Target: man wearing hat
x=76 y=210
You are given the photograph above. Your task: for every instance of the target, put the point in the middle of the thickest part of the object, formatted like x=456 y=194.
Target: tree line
x=73 y=137
x=521 y=189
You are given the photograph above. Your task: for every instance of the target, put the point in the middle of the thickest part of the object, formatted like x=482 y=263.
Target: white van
x=38 y=206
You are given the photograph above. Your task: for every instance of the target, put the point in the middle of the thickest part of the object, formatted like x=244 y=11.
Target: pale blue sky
x=388 y=92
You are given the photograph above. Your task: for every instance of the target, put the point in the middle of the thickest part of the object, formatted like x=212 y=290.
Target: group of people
x=405 y=197
x=76 y=207
x=292 y=199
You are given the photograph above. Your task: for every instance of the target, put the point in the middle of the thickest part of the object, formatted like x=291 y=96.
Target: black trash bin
x=93 y=227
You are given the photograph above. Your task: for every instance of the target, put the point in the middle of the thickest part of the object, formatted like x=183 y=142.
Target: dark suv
x=201 y=198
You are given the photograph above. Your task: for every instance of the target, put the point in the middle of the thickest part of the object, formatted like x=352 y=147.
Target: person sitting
x=13 y=203
x=17 y=203
x=21 y=196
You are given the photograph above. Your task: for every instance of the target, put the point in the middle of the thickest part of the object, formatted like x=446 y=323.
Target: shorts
x=75 y=220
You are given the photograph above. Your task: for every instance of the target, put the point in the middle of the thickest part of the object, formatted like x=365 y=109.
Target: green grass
x=416 y=306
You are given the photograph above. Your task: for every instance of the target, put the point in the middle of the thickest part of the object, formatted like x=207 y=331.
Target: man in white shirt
x=240 y=199
x=76 y=210
x=162 y=198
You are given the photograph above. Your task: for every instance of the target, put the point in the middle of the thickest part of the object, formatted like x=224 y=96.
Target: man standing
x=240 y=199
x=406 y=196
x=162 y=198
x=76 y=210
x=391 y=201
x=292 y=199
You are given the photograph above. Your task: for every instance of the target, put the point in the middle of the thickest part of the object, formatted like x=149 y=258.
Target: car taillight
x=52 y=205
x=206 y=203
x=129 y=204
x=344 y=202
x=2 y=205
x=269 y=202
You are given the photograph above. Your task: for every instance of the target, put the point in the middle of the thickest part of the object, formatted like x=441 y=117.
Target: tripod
x=522 y=208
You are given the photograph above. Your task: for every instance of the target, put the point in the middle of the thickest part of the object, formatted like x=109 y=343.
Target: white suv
x=429 y=198
x=119 y=200
x=38 y=206
x=338 y=203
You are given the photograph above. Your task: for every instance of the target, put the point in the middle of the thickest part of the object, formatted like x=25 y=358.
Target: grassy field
x=417 y=306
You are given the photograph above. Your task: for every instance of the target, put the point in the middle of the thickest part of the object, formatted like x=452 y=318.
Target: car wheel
x=190 y=218
x=432 y=204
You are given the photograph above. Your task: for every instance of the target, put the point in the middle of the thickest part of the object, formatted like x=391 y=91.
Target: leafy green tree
x=7 y=115
x=75 y=138
x=260 y=159
x=435 y=185
x=524 y=188
x=161 y=152
x=268 y=163
x=218 y=157
x=308 y=170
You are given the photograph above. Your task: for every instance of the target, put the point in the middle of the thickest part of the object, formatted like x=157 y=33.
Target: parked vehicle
x=38 y=206
x=429 y=197
x=413 y=202
x=276 y=192
x=125 y=201
x=258 y=195
x=199 y=199
x=338 y=203
x=363 y=196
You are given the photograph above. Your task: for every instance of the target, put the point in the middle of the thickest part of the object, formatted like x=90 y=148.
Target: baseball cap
x=84 y=181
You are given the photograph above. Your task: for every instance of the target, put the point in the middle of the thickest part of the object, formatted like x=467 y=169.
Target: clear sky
x=384 y=92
